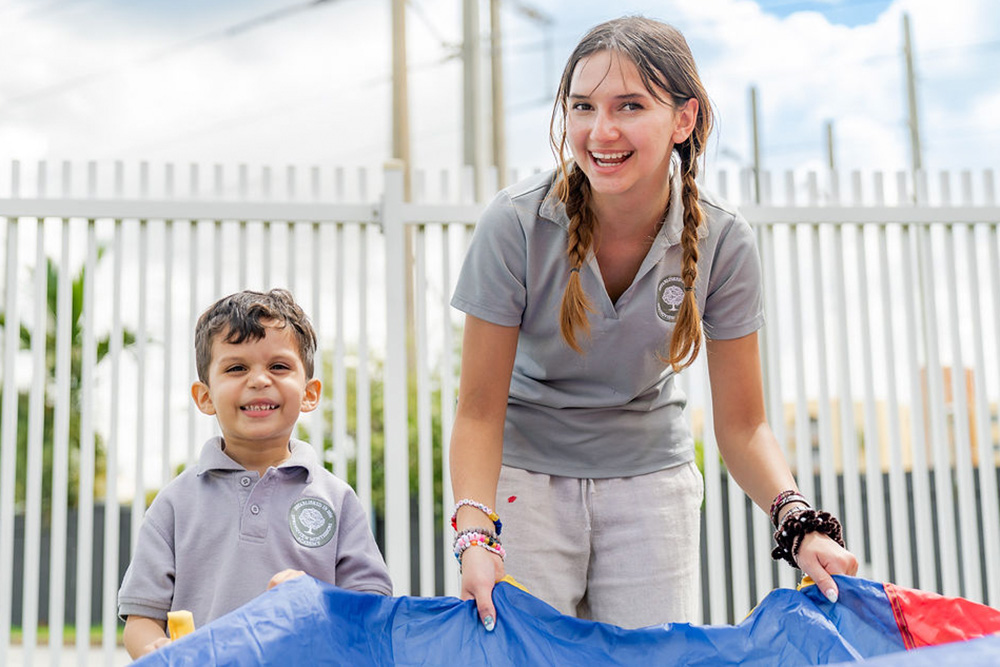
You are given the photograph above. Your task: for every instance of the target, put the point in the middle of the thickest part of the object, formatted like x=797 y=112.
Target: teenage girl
x=586 y=290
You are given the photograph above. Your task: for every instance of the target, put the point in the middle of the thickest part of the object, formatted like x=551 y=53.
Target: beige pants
x=621 y=550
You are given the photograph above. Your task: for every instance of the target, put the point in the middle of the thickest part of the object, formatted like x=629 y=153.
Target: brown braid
x=685 y=343
x=575 y=303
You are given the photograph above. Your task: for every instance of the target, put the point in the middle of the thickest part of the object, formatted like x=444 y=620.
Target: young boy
x=258 y=502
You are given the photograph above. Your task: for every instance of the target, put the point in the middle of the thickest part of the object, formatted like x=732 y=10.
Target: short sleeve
x=148 y=586
x=734 y=306
x=491 y=284
x=360 y=566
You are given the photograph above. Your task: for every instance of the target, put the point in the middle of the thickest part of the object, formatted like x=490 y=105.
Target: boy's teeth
x=256 y=408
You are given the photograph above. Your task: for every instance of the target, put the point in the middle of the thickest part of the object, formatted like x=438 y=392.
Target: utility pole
x=496 y=82
x=913 y=121
x=400 y=95
x=472 y=112
x=756 y=144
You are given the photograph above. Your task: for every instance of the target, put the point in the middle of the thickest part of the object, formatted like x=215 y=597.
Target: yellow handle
x=179 y=623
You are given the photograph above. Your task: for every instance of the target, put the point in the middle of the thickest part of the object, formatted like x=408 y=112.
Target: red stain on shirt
x=512 y=499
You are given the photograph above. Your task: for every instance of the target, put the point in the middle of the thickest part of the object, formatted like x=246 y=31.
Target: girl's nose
x=604 y=128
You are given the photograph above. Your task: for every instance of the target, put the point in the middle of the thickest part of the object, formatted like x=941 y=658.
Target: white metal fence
x=881 y=353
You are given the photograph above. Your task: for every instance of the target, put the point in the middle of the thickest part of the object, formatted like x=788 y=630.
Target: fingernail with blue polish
x=488 y=623
x=831 y=595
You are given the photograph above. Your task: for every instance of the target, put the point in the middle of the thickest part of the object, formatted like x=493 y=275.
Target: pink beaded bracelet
x=471 y=538
x=494 y=517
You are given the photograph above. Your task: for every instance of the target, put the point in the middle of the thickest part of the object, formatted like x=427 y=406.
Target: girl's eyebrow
x=626 y=96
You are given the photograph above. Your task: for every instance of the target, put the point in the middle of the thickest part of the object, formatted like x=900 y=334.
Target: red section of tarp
x=929 y=619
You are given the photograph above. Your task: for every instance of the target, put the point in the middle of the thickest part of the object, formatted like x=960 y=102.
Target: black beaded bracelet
x=796 y=525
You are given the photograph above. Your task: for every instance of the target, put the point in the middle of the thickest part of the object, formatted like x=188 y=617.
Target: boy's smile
x=256 y=390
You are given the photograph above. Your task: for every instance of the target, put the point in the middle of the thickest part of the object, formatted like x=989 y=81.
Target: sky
x=304 y=82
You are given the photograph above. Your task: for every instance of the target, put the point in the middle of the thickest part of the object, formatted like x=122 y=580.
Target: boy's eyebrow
x=233 y=357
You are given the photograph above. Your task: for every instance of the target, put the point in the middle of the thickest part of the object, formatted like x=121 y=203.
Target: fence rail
x=881 y=361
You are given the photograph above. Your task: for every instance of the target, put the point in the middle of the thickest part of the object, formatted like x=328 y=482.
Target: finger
x=283 y=576
x=823 y=581
x=487 y=612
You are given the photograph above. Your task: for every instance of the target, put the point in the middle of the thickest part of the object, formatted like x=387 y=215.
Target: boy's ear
x=202 y=398
x=311 y=395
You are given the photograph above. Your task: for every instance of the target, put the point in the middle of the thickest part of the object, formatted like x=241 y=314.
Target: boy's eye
x=236 y=368
x=281 y=367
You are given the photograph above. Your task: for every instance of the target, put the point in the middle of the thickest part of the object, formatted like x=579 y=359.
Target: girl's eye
x=632 y=106
x=581 y=106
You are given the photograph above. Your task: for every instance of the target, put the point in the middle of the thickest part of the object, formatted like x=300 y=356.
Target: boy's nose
x=260 y=378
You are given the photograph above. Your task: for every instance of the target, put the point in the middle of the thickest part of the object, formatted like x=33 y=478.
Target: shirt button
x=254 y=509
x=245 y=481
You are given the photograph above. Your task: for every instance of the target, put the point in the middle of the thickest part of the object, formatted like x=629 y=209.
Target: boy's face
x=257 y=389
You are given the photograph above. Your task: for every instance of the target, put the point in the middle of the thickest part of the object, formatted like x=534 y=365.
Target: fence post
x=397 y=482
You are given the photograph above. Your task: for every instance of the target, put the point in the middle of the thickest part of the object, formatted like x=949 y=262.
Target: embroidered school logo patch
x=669 y=296
x=312 y=522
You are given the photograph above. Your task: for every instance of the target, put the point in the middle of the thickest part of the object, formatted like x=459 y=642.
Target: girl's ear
x=202 y=398
x=687 y=116
x=311 y=395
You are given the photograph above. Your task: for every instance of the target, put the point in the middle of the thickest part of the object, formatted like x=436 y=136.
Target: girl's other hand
x=819 y=557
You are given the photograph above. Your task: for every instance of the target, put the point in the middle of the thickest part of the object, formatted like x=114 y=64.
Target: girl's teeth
x=605 y=159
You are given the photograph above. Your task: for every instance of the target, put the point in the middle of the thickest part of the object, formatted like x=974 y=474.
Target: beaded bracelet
x=494 y=517
x=785 y=498
x=796 y=525
x=471 y=538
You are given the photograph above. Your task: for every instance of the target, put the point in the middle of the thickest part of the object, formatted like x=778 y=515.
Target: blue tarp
x=306 y=621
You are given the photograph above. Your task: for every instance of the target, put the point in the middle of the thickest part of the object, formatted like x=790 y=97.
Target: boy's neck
x=258 y=460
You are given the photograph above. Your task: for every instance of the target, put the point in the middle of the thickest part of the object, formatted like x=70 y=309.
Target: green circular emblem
x=312 y=522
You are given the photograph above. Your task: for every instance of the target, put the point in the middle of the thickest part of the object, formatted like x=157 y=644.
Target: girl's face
x=620 y=135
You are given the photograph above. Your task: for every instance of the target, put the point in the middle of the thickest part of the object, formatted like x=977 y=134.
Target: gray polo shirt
x=215 y=535
x=615 y=410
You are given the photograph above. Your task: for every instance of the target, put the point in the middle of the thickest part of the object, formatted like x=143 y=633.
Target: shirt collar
x=213 y=458
x=673 y=224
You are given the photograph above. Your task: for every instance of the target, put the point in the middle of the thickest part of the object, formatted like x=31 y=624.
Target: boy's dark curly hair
x=243 y=316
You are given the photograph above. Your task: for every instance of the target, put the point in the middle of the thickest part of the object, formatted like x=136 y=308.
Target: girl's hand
x=819 y=557
x=481 y=570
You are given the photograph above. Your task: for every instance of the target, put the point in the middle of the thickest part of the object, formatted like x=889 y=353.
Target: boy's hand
x=153 y=645
x=283 y=576
x=143 y=635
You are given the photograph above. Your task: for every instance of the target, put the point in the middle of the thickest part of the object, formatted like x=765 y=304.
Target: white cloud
x=314 y=87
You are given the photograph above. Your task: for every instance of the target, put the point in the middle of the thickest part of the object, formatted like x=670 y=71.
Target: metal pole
x=496 y=80
x=913 y=120
x=831 y=159
x=756 y=144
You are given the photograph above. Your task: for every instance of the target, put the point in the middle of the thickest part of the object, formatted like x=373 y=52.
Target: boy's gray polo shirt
x=615 y=410
x=214 y=536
